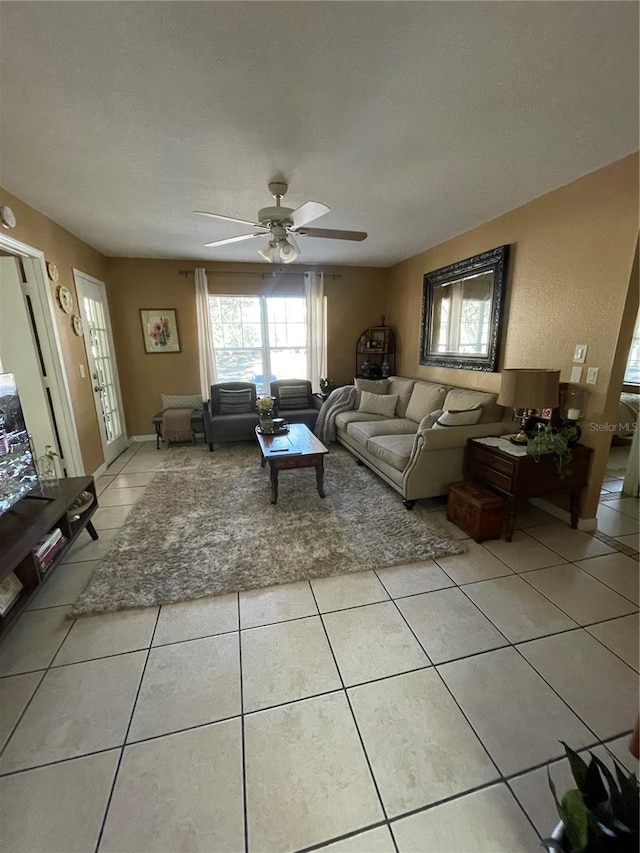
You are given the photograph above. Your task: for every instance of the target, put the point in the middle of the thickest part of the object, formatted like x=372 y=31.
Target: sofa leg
x=211 y=446
x=359 y=462
x=409 y=504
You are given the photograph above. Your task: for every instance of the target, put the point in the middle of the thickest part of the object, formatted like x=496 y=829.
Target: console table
x=23 y=527
x=519 y=478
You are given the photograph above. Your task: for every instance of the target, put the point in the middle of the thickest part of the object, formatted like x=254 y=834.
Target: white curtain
x=316 y=328
x=206 y=352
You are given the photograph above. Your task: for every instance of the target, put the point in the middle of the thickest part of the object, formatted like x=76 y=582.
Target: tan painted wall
x=570 y=278
x=66 y=252
x=355 y=300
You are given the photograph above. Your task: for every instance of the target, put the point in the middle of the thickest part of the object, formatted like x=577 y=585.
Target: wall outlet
x=576 y=374
x=592 y=375
x=81 y=366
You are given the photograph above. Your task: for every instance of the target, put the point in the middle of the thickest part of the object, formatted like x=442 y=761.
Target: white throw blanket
x=340 y=400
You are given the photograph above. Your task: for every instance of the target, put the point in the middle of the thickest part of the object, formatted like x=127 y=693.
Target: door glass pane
x=104 y=378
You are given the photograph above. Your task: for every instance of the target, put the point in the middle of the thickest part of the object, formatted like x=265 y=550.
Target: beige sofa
x=409 y=451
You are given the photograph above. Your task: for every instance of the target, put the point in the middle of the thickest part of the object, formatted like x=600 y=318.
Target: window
x=632 y=373
x=259 y=338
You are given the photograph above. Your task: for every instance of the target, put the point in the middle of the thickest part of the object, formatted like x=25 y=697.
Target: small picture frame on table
x=159 y=330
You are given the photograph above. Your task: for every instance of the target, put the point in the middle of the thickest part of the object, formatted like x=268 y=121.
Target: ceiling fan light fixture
x=289 y=251
x=268 y=252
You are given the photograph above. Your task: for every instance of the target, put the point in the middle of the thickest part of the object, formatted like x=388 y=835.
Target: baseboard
x=150 y=437
x=99 y=471
x=562 y=514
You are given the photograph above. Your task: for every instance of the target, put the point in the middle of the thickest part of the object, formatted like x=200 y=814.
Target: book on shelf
x=48 y=542
x=45 y=560
x=10 y=589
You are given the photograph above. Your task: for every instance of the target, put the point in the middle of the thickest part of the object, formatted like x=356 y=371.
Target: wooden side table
x=519 y=478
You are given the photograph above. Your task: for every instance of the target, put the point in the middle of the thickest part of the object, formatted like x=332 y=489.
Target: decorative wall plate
x=7 y=217
x=65 y=299
x=77 y=324
x=52 y=271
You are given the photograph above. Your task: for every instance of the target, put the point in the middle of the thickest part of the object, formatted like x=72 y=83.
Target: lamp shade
x=268 y=252
x=529 y=389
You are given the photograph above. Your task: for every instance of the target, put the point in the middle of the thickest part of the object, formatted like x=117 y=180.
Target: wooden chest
x=476 y=510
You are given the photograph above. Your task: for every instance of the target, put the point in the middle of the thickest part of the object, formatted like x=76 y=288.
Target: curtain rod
x=274 y=274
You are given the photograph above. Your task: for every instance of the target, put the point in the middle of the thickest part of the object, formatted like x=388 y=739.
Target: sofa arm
x=450 y=437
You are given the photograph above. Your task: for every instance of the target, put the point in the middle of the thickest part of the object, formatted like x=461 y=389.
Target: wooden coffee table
x=298 y=448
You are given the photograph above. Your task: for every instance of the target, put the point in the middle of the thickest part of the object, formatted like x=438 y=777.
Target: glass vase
x=47 y=474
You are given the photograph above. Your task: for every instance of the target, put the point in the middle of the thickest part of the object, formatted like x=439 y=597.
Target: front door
x=98 y=341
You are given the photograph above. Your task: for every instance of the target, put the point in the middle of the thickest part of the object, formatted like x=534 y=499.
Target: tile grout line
x=44 y=674
x=353 y=715
x=245 y=810
x=126 y=734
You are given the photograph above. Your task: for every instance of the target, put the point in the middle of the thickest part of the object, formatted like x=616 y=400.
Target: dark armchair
x=230 y=414
x=295 y=401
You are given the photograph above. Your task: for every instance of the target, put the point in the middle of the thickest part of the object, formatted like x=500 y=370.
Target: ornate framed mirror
x=462 y=312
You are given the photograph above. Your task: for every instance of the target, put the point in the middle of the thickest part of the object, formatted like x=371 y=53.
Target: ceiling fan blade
x=228 y=218
x=332 y=234
x=233 y=240
x=307 y=212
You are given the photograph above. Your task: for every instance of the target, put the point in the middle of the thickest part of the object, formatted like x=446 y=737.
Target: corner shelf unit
x=23 y=527
x=376 y=362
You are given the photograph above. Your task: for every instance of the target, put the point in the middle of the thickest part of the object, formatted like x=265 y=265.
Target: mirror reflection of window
x=461 y=316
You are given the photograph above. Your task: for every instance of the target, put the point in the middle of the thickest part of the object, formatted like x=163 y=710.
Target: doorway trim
x=52 y=354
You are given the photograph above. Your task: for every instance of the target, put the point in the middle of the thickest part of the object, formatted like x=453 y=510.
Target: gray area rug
x=205 y=527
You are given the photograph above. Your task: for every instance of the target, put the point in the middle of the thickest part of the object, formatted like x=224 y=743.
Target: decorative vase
x=266 y=421
x=47 y=474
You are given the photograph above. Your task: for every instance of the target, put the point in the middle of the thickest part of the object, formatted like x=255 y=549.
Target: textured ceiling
x=412 y=121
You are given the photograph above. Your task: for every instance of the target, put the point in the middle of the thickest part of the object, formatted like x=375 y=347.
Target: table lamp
x=525 y=390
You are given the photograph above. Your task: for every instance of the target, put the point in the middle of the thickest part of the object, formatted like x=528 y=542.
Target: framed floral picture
x=159 y=330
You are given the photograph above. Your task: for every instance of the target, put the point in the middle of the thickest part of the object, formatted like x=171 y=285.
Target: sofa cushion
x=403 y=388
x=235 y=402
x=346 y=418
x=293 y=397
x=459 y=399
x=395 y=450
x=378 y=404
x=181 y=401
x=454 y=419
x=373 y=386
x=426 y=397
x=362 y=432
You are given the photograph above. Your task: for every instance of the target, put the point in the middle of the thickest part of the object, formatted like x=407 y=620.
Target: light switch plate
x=81 y=366
x=592 y=375
x=576 y=374
x=580 y=354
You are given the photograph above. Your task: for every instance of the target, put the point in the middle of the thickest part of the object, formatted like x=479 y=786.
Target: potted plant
x=600 y=814
x=557 y=441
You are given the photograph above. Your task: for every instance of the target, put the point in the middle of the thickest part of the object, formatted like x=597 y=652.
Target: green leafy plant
x=50 y=452
x=601 y=814
x=558 y=442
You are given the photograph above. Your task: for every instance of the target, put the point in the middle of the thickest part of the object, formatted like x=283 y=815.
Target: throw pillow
x=461 y=418
x=373 y=386
x=429 y=420
x=181 y=401
x=235 y=402
x=293 y=397
x=378 y=404
x=426 y=397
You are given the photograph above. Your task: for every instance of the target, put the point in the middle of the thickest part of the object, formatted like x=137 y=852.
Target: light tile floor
x=406 y=709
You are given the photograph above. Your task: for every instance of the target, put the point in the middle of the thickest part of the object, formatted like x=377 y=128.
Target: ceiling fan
x=281 y=224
